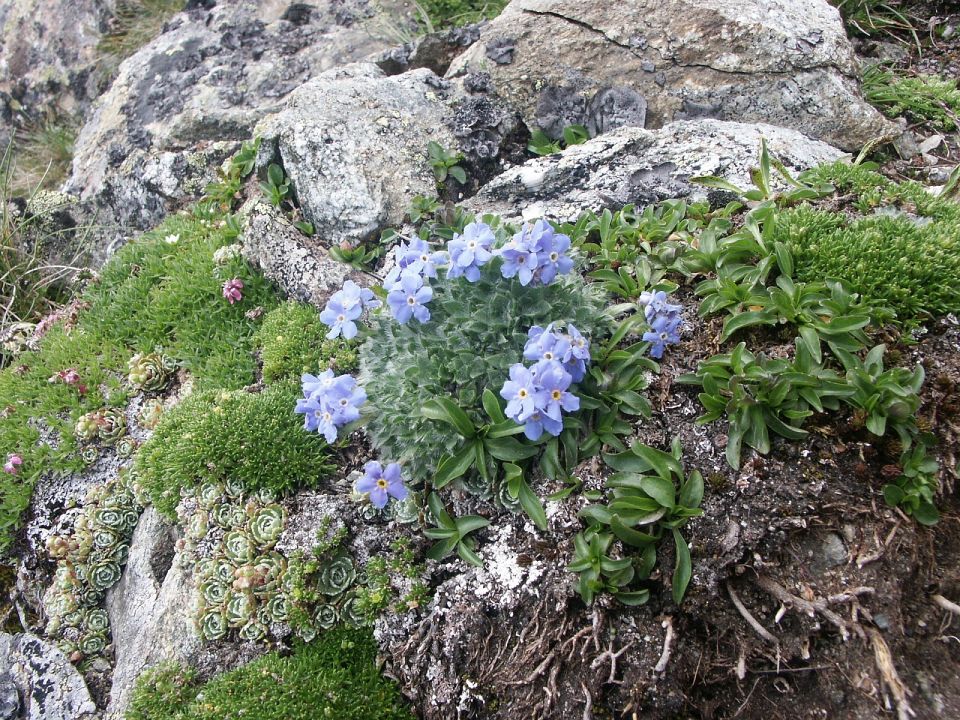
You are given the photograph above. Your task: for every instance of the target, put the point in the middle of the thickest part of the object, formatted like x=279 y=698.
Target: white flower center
x=411 y=300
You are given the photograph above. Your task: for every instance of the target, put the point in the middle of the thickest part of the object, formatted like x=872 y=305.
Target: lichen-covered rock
x=152 y=140
x=149 y=614
x=354 y=143
x=300 y=265
x=47 y=684
x=636 y=166
x=48 y=54
x=605 y=65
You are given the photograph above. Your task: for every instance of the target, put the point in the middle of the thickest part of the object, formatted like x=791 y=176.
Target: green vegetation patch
x=442 y=13
x=292 y=341
x=901 y=249
x=135 y=23
x=333 y=677
x=925 y=98
x=253 y=439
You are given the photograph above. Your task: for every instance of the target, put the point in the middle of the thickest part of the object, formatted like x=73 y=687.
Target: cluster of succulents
x=90 y=560
x=150 y=413
x=150 y=372
x=108 y=425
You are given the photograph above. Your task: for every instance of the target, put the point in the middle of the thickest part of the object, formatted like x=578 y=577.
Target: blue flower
x=664 y=331
x=325 y=382
x=329 y=402
x=551 y=250
x=416 y=256
x=538 y=422
x=470 y=251
x=655 y=303
x=554 y=381
x=344 y=307
x=408 y=298
x=318 y=416
x=521 y=393
x=579 y=345
x=544 y=344
x=382 y=483
x=519 y=258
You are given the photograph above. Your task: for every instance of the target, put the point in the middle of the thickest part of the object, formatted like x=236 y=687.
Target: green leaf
x=629 y=535
x=531 y=505
x=744 y=320
x=811 y=341
x=443 y=548
x=504 y=429
x=437 y=533
x=691 y=494
x=468 y=555
x=627 y=462
x=664 y=464
x=508 y=449
x=927 y=514
x=550 y=460
x=439 y=511
x=596 y=514
x=683 y=569
x=446 y=410
x=458 y=174
x=660 y=489
x=469 y=523
x=491 y=405
x=633 y=597
x=454 y=466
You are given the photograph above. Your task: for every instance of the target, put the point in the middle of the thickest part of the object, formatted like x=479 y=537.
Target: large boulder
x=182 y=102
x=48 y=58
x=354 y=143
x=604 y=65
x=37 y=682
x=641 y=167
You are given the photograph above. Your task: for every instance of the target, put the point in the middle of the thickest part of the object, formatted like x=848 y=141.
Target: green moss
x=926 y=98
x=903 y=251
x=292 y=341
x=251 y=438
x=333 y=677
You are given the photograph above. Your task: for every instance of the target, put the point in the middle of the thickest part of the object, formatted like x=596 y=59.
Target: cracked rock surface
x=783 y=62
x=641 y=167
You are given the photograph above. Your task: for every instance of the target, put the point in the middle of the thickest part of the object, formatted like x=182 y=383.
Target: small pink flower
x=13 y=464
x=231 y=290
x=71 y=377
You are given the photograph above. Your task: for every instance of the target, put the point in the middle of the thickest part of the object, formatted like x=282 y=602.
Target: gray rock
x=633 y=165
x=180 y=103
x=300 y=265
x=48 y=58
x=149 y=613
x=784 y=62
x=39 y=679
x=353 y=142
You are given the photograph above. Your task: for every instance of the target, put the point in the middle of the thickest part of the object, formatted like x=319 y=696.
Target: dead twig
x=667 y=646
x=888 y=672
x=751 y=620
x=536 y=672
x=609 y=653
x=819 y=605
x=588 y=710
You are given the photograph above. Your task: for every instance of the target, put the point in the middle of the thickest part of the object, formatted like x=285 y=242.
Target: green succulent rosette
x=90 y=596
x=111 y=518
x=74 y=619
x=241 y=607
x=214 y=592
x=90 y=454
x=336 y=575
x=506 y=500
x=92 y=644
x=239 y=547
x=213 y=625
x=223 y=569
x=326 y=616
x=96 y=620
x=233 y=489
x=126 y=446
x=307 y=633
x=150 y=413
x=277 y=608
x=369 y=512
x=351 y=611
x=105 y=537
x=104 y=575
x=266 y=525
x=87 y=426
x=119 y=553
x=111 y=425
x=407 y=511
x=199 y=525
x=150 y=372
x=253 y=631
x=209 y=495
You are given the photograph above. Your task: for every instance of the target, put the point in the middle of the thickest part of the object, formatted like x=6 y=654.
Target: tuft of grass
x=135 y=23
x=333 y=677
x=454 y=13
x=878 y=17
x=925 y=98
x=42 y=156
x=901 y=249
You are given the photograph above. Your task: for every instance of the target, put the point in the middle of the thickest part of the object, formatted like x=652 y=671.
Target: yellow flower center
x=382 y=484
x=522 y=393
x=556 y=394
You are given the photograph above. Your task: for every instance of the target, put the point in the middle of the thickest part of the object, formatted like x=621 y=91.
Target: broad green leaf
x=531 y=505
x=492 y=406
x=468 y=555
x=683 y=569
x=446 y=410
x=454 y=466
x=664 y=464
x=629 y=535
x=509 y=449
x=691 y=494
x=469 y=523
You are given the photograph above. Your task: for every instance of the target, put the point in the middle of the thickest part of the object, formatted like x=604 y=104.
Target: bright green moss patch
x=162 y=291
x=901 y=247
x=254 y=439
x=333 y=677
x=292 y=341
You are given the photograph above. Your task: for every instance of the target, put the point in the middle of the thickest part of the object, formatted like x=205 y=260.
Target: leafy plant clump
x=134 y=24
x=444 y=13
x=249 y=438
x=334 y=676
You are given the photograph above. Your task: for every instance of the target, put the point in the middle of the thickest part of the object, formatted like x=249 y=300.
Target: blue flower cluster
x=329 y=402
x=344 y=307
x=470 y=251
x=536 y=254
x=537 y=396
x=382 y=483
x=406 y=284
x=664 y=320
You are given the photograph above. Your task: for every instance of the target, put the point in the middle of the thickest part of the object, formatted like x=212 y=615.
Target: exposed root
x=609 y=653
x=947 y=605
x=667 y=646
x=891 y=680
x=818 y=605
x=539 y=670
x=751 y=620
x=588 y=709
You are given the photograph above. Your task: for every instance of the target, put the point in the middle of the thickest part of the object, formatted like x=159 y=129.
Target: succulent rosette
x=336 y=575
x=92 y=644
x=266 y=525
x=253 y=631
x=278 y=608
x=240 y=609
x=326 y=616
x=351 y=611
x=97 y=621
x=111 y=425
x=214 y=592
x=238 y=546
x=213 y=624
x=104 y=575
x=150 y=372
